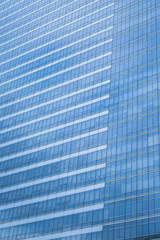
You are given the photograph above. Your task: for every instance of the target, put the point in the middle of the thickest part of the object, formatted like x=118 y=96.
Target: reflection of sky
x=132 y=136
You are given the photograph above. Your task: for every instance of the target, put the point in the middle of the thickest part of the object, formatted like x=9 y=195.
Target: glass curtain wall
x=79 y=119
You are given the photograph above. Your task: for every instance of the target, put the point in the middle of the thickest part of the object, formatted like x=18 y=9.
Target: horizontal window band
x=54 y=215
x=135 y=55
x=38 y=107
x=69 y=233
x=81 y=164
x=54 y=30
x=13 y=5
x=99 y=45
x=62 y=76
x=63 y=97
x=81 y=171
x=151 y=218
x=106 y=182
x=52 y=51
x=27 y=7
x=143 y=24
x=11 y=91
x=8 y=1
x=134 y=136
x=121 y=104
x=53 y=114
x=59 y=38
x=69 y=70
x=54 y=87
x=59 y=60
x=134 y=155
x=133 y=118
x=97 y=186
x=61 y=142
x=53 y=196
x=70 y=81
x=96 y=227
x=132 y=198
x=39 y=199
x=55 y=143
x=65 y=115
x=37 y=10
x=70 y=170
x=55 y=136
x=55 y=128
x=55 y=186
x=45 y=78
x=152 y=94
x=132 y=84
x=13 y=78
x=133 y=220
x=34 y=165
x=42 y=213
x=51 y=178
x=56 y=19
x=92 y=163
x=62 y=70
x=112 y=4
x=135 y=100
x=56 y=50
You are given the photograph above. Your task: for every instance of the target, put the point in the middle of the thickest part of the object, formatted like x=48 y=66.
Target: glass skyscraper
x=79 y=119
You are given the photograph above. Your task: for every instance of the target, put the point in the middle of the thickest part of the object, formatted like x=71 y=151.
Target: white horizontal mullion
x=52 y=21
x=54 y=215
x=11 y=5
x=7 y=1
x=45 y=78
x=51 y=101
x=59 y=60
x=65 y=70
x=69 y=233
x=58 y=99
x=50 y=88
x=57 y=113
x=80 y=136
x=81 y=120
x=51 y=64
x=68 y=34
x=29 y=12
x=54 y=51
x=35 y=58
x=55 y=160
x=52 y=178
x=53 y=196
x=55 y=30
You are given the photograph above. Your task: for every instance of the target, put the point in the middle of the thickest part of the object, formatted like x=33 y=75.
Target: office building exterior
x=79 y=119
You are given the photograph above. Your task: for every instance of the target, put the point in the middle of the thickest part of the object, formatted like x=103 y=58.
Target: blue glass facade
x=79 y=119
